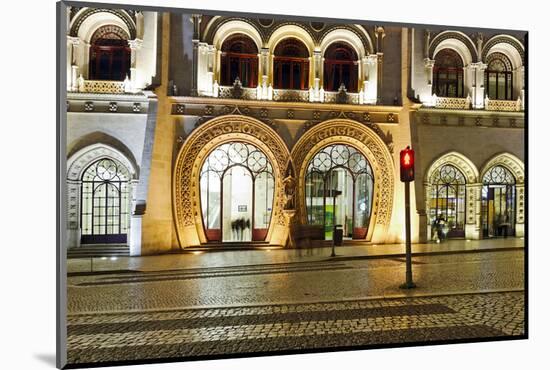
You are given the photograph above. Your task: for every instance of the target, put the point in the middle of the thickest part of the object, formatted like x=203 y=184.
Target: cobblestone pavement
x=168 y=313
x=247 y=330
x=293 y=282
x=251 y=257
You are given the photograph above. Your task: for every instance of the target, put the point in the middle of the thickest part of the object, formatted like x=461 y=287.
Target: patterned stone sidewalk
x=254 y=329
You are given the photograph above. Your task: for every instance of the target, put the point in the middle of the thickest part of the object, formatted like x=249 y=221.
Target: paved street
x=313 y=303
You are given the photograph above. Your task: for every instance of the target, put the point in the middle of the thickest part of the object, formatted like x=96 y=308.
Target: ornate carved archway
x=365 y=140
x=76 y=165
x=516 y=167
x=185 y=188
x=509 y=161
x=473 y=189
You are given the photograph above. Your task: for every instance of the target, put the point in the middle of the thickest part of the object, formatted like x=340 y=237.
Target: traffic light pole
x=408 y=275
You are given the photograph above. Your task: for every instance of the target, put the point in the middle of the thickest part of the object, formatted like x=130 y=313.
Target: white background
x=27 y=183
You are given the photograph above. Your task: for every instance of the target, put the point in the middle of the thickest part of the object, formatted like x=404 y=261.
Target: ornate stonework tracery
x=197 y=146
x=354 y=133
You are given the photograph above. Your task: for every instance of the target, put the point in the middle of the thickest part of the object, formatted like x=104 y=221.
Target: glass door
x=237 y=205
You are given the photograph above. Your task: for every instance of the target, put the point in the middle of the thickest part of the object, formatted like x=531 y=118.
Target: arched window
x=339 y=190
x=109 y=54
x=291 y=65
x=498 y=77
x=341 y=67
x=448 y=74
x=105 y=203
x=447 y=199
x=239 y=58
x=498 y=202
x=237 y=186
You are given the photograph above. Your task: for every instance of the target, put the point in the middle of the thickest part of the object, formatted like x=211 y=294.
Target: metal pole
x=333 y=254
x=408 y=275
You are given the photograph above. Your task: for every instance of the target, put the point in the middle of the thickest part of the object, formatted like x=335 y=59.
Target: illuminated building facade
x=189 y=130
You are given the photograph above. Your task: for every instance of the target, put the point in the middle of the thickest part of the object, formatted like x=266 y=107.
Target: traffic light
x=406 y=159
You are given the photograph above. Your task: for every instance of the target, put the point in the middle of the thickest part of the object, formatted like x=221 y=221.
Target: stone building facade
x=201 y=131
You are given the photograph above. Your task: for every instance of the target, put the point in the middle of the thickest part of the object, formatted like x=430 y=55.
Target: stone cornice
x=472 y=118
x=201 y=106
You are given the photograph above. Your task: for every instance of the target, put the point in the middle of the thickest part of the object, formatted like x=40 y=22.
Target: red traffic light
x=406 y=159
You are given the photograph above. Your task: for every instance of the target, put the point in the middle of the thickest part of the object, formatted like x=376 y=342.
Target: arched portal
x=100 y=185
x=339 y=187
x=448 y=200
x=498 y=202
x=504 y=171
x=228 y=130
x=237 y=186
x=357 y=138
x=105 y=202
x=452 y=193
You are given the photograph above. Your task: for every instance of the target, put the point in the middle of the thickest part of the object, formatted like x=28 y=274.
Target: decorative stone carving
x=136 y=108
x=200 y=142
x=102 y=87
x=208 y=110
x=364 y=139
x=179 y=109
x=88 y=106
x=113 y=107
x=289 y=183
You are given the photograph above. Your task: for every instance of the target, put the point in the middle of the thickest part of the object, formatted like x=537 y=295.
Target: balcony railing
x=103 y=87
x=452 y=103
x=286 y=95
x=503 y=105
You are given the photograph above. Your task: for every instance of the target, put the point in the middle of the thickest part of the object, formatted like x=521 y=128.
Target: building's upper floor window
x=341 y=67
x=291 y=65
x=498 y=77
x=239 y=58
x=448 y=74
x=109 y=54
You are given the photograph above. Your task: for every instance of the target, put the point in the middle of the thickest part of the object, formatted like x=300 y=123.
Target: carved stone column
x=211 y=53
x=519 y=83
x=196 y=20
x=139 y=24
x=379 y=72
x=370 y=82
x=520 y=210
x=477 y=91
x=263 y=70
x=379 y=34
x=134 y=232
x=427 y=96
x=72 y=44
x=135 y=47
x=74 y=228
x=427 y=37
x=473 y=211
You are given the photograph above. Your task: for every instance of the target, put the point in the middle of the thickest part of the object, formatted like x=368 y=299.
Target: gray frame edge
x=61 y=188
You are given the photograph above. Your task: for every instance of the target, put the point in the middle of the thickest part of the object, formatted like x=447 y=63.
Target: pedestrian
x=435 y=235
x=440 y=224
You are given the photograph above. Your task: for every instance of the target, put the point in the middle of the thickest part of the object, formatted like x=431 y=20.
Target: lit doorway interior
x=339 y=190
x=237 y=188
x=105 y=203
x=498 y=199
x=448 y=199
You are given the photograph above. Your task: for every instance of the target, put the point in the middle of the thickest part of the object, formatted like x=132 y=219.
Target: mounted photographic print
x=236 y=185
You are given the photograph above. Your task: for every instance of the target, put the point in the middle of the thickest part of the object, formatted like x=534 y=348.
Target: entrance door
x=104 y=208
x=237 y=187
x=498 y=202
x=498 y=209
x=339 y=189
x=237 y=205
x=339 y=202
